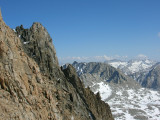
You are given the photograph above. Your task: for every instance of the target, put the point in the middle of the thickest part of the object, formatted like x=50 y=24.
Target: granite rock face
x=33 y=86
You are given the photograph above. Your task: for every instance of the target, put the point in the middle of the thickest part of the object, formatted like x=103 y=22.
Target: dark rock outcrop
x=37 y=43
x=32 y=85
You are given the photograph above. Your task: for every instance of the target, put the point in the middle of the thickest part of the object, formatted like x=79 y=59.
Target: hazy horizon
x=69 y=59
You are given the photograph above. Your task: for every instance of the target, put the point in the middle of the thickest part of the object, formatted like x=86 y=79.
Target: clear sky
x=88 y=28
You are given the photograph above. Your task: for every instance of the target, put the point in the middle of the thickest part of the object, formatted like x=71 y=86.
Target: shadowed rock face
x=38 y=45
x=152 y=79
x=33 y=87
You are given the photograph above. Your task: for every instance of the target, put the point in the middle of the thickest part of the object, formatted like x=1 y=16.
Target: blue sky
x=88 y=28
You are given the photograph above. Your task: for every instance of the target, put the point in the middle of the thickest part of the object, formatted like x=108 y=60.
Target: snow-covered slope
x=139 y=65
x=135 y=104
x=132 y=66
x=104 y=90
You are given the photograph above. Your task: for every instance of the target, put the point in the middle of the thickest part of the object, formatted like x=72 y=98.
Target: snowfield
x=118 y=63
x=133 y=104
x=129 y=103
x=104 y=90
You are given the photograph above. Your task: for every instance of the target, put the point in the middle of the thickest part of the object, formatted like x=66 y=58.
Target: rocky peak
x=37 y=43
x=38 y=27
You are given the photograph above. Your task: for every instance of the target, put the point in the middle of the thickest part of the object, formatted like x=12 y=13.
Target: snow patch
x=26 y=42
x=72 y=118
x=132 y=66
x=104 y=90
x=117 y=64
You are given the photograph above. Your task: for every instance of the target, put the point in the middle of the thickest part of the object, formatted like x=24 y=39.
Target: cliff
x=33 y=86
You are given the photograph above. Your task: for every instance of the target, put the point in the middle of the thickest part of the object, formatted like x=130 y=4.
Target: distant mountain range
x=132 y=66
x=120 y=83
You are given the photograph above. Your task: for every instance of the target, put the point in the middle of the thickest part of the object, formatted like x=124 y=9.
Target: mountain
x=132 y=66
x=138 y=69
x=104 y=72
x=34 y=87
x=152 y=79
x=128 y=100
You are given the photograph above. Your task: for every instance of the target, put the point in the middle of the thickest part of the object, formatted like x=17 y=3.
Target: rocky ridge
x=34 y=87
x=104 y=72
